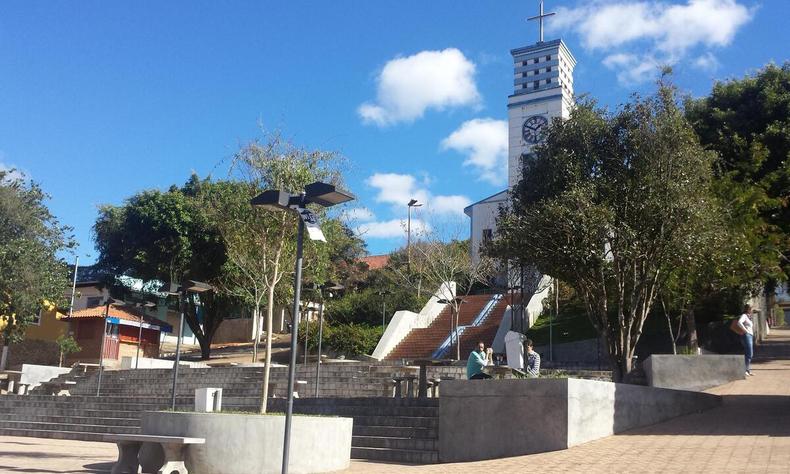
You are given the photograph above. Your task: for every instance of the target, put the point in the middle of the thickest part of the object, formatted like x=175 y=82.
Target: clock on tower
x=533 y=127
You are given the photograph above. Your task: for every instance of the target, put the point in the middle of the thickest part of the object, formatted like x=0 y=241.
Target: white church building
x=542 y=91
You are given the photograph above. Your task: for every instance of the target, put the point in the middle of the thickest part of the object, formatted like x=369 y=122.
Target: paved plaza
x=749 y=433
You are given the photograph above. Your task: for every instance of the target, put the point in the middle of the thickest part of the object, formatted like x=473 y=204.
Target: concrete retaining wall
x=693 y=372
x=35 y=375
x=252 y=444
x=488 y=419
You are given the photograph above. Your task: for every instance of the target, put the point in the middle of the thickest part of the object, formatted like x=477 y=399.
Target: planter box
x=489 y=419
x=693 y=372
x=251 y=444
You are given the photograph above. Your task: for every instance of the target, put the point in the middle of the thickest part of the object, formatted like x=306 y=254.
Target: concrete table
x=422 y=390
x=129 y=449
x=13 y=377
x=497 y=371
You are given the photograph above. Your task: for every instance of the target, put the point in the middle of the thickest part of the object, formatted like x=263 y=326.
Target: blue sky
x=99 y=100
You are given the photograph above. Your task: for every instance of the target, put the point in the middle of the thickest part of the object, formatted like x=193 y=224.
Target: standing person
x=477 y=360
x=533 y=360
x=747 y=337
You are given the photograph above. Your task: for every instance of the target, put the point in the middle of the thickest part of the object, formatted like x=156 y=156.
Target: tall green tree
x=260 y=243
x=167 y=236
x=747 y=122
x=31 y=239
x=610 y=204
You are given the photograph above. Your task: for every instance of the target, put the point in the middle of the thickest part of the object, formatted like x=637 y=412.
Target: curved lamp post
x=410 y=204
x=325 y=195
x=181 y=291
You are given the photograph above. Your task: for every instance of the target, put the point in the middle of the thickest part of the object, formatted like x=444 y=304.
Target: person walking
x=747 y=337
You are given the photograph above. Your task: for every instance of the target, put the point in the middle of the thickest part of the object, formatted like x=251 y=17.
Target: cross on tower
x=540 y=18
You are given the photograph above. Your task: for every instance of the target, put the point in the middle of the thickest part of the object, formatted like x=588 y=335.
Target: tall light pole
x=383 y=294
x=181 y=292
x=141 y=308
x=330 y=287
x=454 y=322
x=107 y=304
x=410 y=204
x=325 y=195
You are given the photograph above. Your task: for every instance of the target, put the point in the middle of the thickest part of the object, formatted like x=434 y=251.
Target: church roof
x=499 y=197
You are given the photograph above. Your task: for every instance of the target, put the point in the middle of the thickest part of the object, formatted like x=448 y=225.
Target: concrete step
x=395 y=431
x=420 y=444
x=76 y=420
x=72 y=435
x=74 y=410
x=369 y=411
x=395 y=455
x=43 y=426
x=397 y=421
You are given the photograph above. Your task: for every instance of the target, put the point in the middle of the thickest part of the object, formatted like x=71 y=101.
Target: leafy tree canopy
x=31 y=273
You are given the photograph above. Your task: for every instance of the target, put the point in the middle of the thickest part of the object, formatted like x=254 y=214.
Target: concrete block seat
x=129 y=449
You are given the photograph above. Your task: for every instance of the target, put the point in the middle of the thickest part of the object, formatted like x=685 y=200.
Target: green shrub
x=350 y=340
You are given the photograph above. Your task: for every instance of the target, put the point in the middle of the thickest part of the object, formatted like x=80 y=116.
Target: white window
x=36 y=321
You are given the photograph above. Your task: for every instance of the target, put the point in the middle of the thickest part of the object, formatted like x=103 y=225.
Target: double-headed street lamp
x=325 y=195
x=181 y=291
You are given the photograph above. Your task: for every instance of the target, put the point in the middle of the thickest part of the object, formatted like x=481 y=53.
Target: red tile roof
x=375 y=262
x=116 y=311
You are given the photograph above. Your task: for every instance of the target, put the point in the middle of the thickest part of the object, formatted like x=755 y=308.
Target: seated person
x=533 y=360
x=477 y=360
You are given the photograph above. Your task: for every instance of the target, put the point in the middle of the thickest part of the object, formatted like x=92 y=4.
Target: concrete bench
x=129 y=450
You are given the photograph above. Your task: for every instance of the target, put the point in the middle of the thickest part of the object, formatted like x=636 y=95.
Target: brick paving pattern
x=750 y=432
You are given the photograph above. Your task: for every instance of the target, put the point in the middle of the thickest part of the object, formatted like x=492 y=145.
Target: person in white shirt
x=747 y=337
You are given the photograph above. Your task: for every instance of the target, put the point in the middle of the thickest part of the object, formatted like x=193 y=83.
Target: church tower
x=543 y=90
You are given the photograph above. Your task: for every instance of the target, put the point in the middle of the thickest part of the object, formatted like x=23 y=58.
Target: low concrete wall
x=147 y=363
x=488 y=419
x=252 y=444
x=693 y=372
x=35 y=375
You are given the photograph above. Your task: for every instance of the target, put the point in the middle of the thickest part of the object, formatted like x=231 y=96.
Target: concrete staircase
x=385 y=429
x=421 y=343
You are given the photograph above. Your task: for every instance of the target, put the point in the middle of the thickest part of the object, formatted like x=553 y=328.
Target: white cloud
x=399 y=189
x=13 y=172
x=391 y=229
x=484 y=142
x=454 y=204
x=706 y=62
x=664 y=32
x=358 y=214
x=632 y=69
x=408 y=86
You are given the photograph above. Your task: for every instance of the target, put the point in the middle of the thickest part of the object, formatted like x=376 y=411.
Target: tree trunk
x=268 y=356
x=257 y=334
x=4 y=355
x=669 y=325
x=691 y=328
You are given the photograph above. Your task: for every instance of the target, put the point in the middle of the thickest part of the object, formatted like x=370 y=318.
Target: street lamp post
x=383 y=294
x=330 y=287
x=103 y=337
x=325 y=195
x=454 y=323
x=410 y=204
x=141 y=307
x=181 y=291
